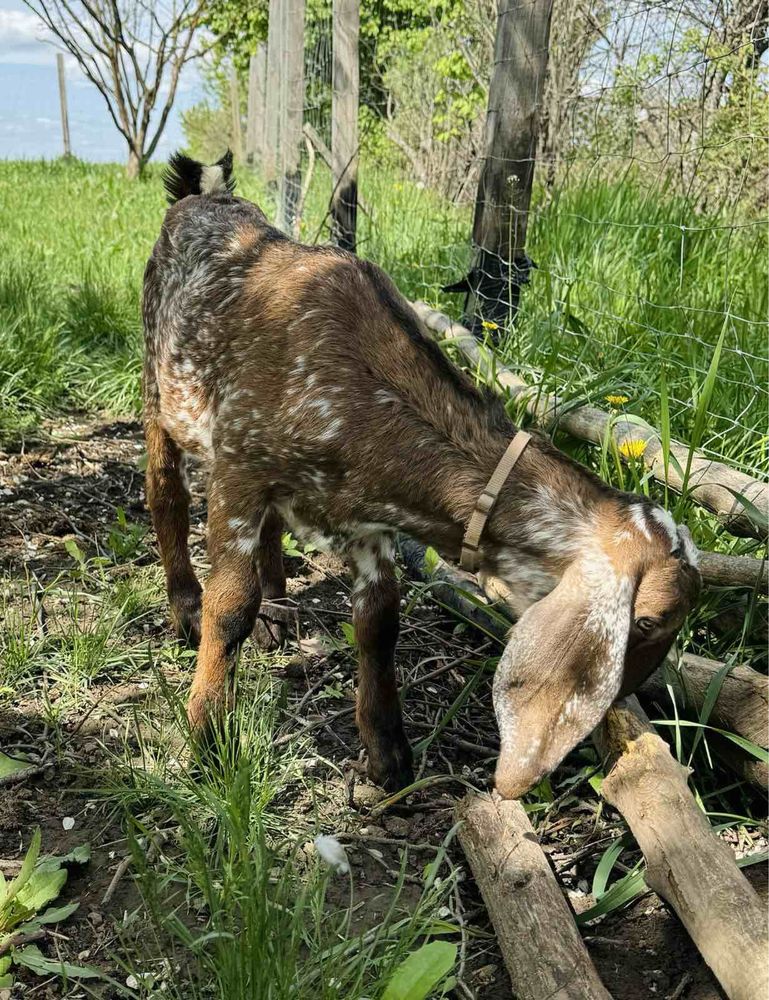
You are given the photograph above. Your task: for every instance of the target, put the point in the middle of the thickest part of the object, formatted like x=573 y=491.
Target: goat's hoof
x=273 y=625
x=269 y=634
x=391 y=767
x=185 y=614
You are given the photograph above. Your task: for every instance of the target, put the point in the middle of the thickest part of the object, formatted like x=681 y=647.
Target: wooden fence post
x=272 y=110
x=255 y=120
x=63 y=104
x=500 y=265
x=292 y=113
x=237 y=138
x=344 y=122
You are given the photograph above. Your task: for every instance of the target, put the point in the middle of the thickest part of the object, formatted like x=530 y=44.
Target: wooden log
x=344 y=122
x=742 y=705
x=540 y=944
x=720 y=570
x=712 y=484
x=448 y=585
x=687 y=864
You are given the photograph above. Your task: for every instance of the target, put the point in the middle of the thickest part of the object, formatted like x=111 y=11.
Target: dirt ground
x=68 y=487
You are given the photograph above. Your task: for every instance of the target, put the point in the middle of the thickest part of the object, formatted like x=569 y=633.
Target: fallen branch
x=449 y=586
x=540 y=944
x=19 y=939
x=687 y=864
x=719 y=570
x=742 y=705
x=711 y=484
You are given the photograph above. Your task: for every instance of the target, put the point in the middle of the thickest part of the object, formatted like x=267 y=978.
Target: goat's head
x=604 y=628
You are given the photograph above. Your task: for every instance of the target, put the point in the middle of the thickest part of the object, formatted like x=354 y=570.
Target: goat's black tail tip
x=184 y=176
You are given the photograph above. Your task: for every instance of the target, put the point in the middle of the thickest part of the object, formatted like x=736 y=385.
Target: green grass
x=631 y=287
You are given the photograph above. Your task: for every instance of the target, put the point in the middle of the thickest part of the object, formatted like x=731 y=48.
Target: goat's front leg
x=375 y=612
x=230 y=606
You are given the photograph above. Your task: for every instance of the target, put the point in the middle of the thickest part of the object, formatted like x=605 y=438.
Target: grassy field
x=630 y=288
x=631 y=296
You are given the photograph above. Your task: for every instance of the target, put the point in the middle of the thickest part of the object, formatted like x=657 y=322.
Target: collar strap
x=485 y=503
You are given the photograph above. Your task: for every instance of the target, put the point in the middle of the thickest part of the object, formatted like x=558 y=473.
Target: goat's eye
x=645 y=625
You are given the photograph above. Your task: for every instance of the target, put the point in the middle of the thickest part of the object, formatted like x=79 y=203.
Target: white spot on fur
x=638 y=517
x=691 y=552
x=665 y=519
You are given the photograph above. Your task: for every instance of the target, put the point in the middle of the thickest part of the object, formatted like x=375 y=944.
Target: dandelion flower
x=632 y=449
x=332 y=852
x=488 y=324
x=617 y=400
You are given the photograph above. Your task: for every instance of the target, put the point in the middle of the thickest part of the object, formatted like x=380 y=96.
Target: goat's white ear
x=560 y=672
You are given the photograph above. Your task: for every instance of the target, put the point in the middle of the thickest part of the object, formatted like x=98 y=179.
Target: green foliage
x=24 y=911
x=422 y=972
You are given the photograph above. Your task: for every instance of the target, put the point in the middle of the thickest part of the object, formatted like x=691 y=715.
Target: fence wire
x=648 y=221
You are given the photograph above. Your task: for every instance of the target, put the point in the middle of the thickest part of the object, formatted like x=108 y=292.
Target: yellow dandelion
x=488 y=324
x=632 y=449
x=617 y=400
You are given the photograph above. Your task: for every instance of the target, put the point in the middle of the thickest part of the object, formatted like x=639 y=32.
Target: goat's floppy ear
x=561 y=671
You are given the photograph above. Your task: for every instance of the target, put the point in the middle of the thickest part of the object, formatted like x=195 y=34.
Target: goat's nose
x=512 y=782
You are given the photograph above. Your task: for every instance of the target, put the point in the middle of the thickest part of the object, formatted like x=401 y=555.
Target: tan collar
x=485 y=504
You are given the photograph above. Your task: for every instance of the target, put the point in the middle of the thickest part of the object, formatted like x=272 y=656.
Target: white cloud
x=24 y=38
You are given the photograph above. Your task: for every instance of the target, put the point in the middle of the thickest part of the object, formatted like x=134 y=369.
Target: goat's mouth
x=512 y=780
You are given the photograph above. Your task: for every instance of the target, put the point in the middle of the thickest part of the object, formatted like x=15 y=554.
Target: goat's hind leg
x=271 y=627
x=375 y=610
x=169 y=502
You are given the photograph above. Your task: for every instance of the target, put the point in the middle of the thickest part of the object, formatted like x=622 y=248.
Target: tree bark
x=543 y=951
x=135 y=165
x=344 y=123
x=504 y=189
x=687 y=864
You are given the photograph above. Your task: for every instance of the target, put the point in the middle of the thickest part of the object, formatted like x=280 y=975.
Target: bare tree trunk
x=135 y=165
x=500 y=265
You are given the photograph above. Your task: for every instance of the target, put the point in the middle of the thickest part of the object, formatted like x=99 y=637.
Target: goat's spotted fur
x=304 y=380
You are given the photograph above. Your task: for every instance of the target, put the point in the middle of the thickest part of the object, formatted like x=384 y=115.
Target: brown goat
x=305 y=381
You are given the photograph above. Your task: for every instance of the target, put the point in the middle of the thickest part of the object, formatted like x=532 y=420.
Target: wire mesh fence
x=647 y=224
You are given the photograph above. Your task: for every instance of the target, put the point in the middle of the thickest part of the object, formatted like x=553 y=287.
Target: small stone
x=68 y=822
x=397 y=826
x=96 y=918
x=367 y=795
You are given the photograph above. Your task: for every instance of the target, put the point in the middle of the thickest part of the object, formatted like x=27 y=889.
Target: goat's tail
x=185 y=176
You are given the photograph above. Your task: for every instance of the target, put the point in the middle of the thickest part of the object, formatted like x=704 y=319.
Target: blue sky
x=30 y=126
